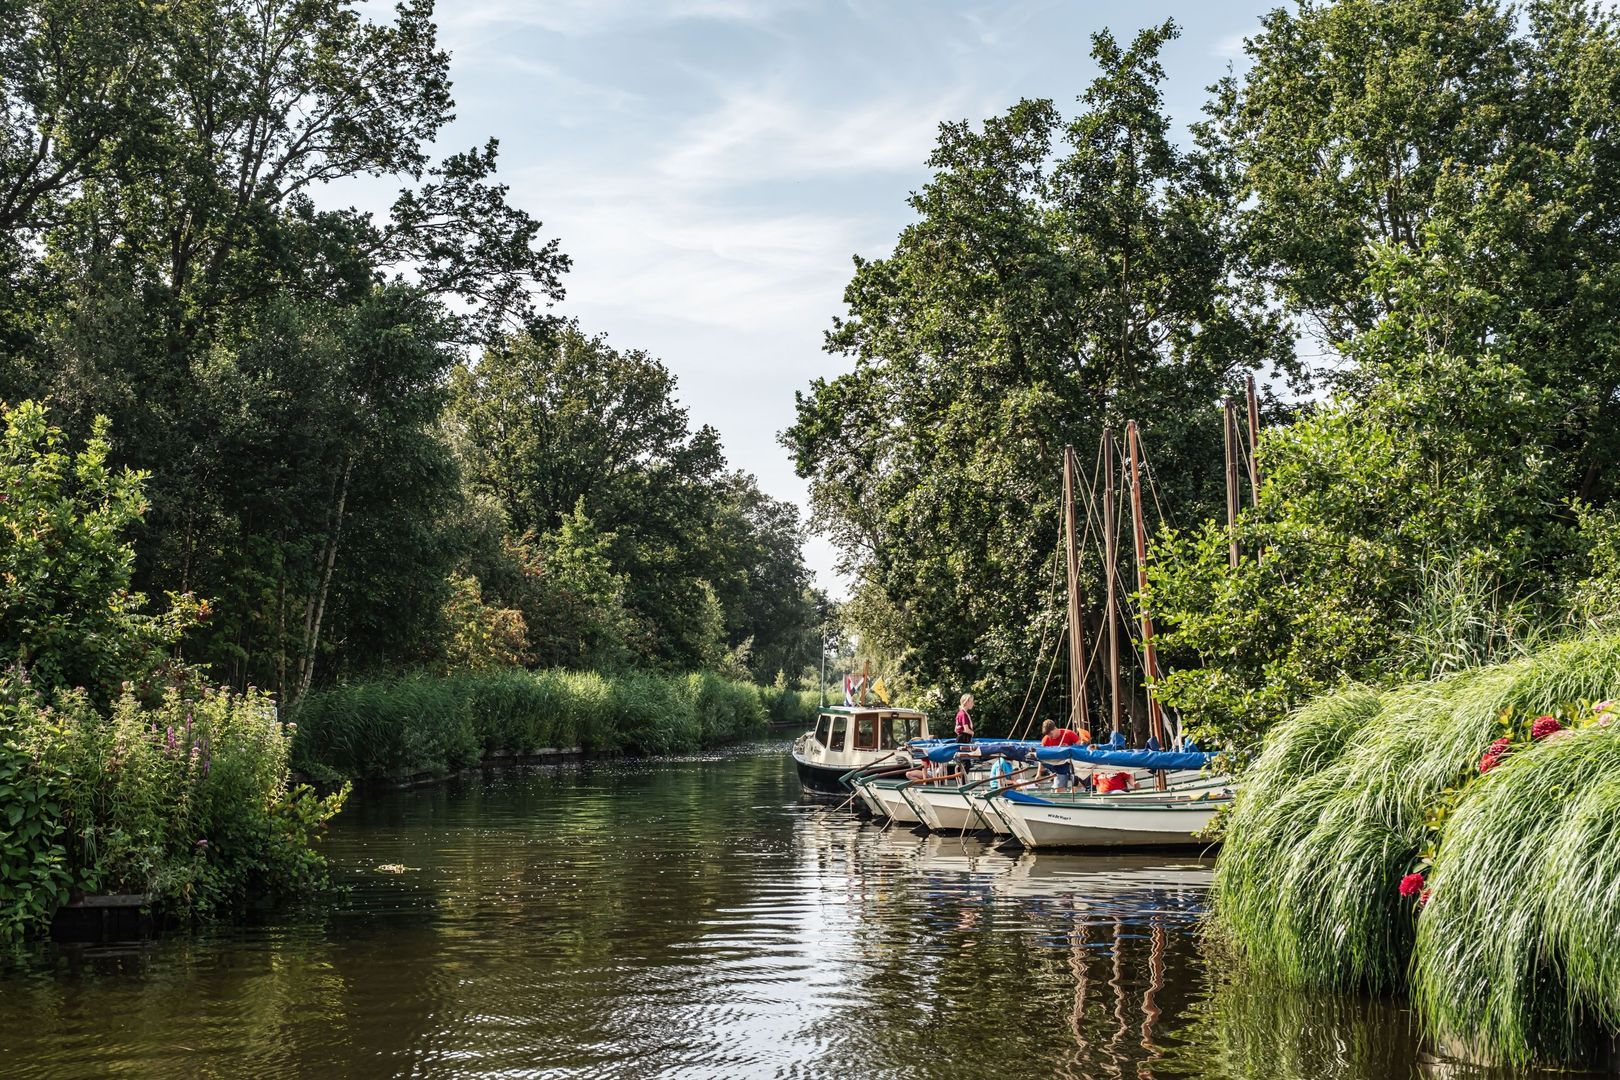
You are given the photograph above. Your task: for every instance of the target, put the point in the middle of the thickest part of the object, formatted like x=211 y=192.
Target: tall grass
x=1332 y=814
x=434 y=724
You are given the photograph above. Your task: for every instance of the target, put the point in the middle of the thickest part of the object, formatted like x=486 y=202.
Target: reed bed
x=1507 y=961
x=424 y=724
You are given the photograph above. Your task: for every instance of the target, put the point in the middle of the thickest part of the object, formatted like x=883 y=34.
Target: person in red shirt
x=1062 y=771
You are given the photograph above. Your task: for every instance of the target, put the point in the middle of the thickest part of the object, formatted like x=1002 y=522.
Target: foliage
x=157 y=171
x=480 y=635
x=1337 y=808
x=67 y=612
x=636 y=542
x=1062 y=276
x=1360 y=502
x=186 y=801
x=428 y=724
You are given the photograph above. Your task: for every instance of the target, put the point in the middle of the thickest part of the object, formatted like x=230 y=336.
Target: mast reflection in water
x=690 y=918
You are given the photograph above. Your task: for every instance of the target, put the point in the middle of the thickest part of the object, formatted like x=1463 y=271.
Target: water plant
x=436 y=724
x=1503 y=942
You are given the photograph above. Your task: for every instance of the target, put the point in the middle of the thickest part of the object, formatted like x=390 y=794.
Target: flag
x=881 y=689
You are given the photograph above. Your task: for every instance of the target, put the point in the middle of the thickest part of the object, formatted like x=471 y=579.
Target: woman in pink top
x=964 y=722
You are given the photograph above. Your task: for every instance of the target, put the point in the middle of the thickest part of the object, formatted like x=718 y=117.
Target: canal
x=690 y=918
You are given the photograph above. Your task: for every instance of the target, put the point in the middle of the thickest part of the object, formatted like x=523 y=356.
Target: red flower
x=1545 y=726
x=1494 y=754
x=1423 y=897
x=1411 y=884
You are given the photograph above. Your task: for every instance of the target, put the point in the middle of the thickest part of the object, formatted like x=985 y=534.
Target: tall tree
x=1061 y=277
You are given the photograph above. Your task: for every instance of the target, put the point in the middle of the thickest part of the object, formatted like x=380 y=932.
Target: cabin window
x=902 y=729
x=866 y=732
x=840 y=728
x=822 y=723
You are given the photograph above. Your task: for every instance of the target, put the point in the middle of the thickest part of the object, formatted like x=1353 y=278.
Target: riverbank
x=422 y=726
x=1458 y=840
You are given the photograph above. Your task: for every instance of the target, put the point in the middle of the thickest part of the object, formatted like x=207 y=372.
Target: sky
x=711 y=166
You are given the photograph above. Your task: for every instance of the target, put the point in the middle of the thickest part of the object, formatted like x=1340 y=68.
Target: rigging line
x=1153 y=484
x=1049 y=669
x=1036 y=670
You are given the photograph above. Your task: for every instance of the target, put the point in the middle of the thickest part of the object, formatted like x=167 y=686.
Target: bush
x=185 y=801
x=1509 y=957
x=424 y=724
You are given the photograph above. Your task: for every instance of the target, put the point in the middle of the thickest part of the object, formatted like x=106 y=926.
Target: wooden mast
x=1079 y=714
x=1254 y=443
x=1150 y=660
x=1231 y=482
x=1110 y=559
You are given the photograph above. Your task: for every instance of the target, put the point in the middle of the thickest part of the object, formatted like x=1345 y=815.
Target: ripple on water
x=686 y=917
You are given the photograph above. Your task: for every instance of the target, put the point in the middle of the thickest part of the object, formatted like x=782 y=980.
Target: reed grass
x=424 y=724
x=1508 y=959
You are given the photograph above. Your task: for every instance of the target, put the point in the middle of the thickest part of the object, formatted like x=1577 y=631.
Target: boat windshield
x=901 y=729
x=823 y=722
x=840 y=727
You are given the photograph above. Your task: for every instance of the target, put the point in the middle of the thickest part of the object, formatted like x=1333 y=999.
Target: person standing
x=964 y=721
x=1053 y=736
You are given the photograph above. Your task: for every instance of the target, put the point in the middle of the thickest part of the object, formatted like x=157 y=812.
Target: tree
x=1060 y=278
x=68 y=617
x=277 y=368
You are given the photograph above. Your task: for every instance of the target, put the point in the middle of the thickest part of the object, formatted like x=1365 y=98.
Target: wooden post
x=1111 y=573
x=1079 y=713
x=1254 y=444
x=1231 y=483
x=1150 y=660
x=866 y=679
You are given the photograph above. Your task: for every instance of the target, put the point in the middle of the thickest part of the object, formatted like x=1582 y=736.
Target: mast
x=866 y=679
x=1079 y=714
x=1110 y=560
x=1231 y=482
x=1150 y=660
x=1254 y=443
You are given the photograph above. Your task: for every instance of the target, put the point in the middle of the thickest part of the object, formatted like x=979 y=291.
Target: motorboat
x=854 y=738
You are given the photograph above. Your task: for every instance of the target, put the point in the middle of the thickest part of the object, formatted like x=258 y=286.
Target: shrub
x=186 y=801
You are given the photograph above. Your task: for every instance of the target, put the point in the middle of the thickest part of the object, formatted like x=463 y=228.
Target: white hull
x=944 y=809
x=1090 y=821
x=892 y=804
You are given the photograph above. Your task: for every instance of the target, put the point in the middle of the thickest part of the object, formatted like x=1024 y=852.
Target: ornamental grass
x=1504 y=949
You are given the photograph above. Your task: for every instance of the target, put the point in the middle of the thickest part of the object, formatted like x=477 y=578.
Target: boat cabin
x=842 y=729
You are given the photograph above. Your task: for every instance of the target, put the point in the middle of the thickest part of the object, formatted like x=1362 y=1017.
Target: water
x=691 y=918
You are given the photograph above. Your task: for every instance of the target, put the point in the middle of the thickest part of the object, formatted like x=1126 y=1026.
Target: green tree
x=68 y=616
x=1061 y=277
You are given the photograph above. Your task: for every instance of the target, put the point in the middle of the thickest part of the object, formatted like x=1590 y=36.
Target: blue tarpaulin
x=938 y=750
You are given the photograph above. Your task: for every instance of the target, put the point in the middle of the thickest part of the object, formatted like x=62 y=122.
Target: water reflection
x=691 y=918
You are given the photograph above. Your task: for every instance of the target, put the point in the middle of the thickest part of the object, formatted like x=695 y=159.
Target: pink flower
x=1411 y=884
x=1545 y=726
x=1487 y=763
x=1423 y=897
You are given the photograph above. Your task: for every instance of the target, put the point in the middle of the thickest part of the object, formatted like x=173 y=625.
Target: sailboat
x=1168 y=815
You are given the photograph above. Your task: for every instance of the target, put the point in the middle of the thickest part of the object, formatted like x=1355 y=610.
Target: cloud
x=1228 y=47
x=766 y=133
x=581 y=18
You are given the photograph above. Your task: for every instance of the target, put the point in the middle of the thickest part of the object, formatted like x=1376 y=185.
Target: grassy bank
x=1506 y=951
x=436 y=724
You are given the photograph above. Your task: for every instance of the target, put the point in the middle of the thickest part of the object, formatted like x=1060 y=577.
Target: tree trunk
x=315 y=608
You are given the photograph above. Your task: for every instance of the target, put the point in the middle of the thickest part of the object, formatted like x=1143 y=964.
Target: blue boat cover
x=938 y=750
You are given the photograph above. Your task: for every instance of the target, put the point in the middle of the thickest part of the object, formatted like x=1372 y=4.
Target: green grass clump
x=1333 y=812
x=1515 y=955
x=425 y=724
